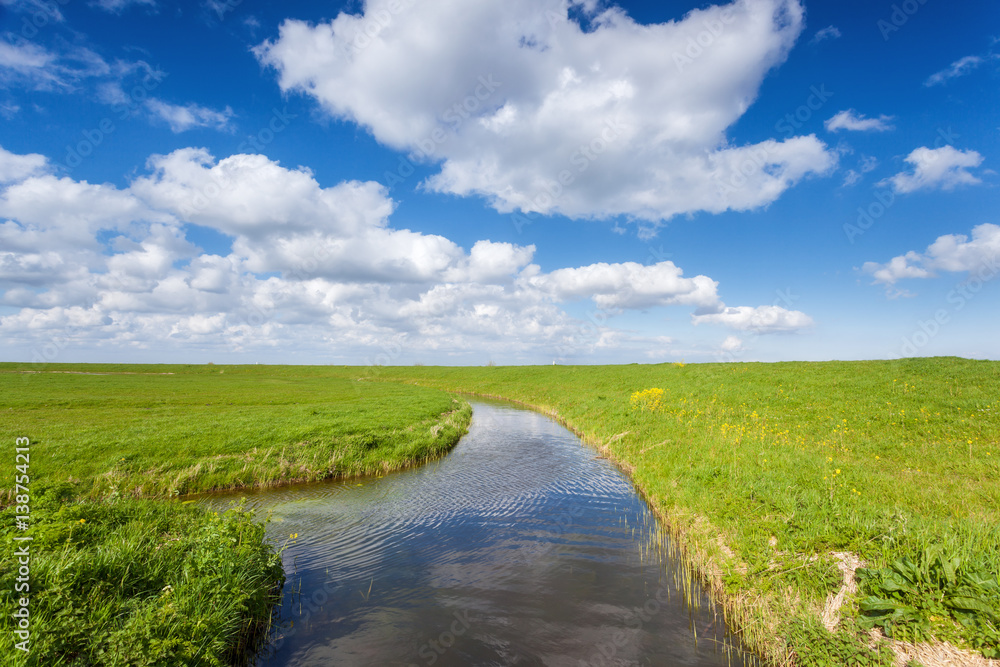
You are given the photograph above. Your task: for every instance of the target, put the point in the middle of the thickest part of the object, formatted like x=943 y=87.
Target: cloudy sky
x=517 y=181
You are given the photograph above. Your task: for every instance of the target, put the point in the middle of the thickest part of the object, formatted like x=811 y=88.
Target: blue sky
x=516 y=181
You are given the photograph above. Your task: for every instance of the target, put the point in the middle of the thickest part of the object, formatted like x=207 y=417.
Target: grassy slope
x=123 y=581
x=206 y=427
x=881 y=459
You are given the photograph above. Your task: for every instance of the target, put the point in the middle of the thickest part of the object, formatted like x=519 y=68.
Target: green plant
x=138 y=582
x=934 y=596
x=815 y=646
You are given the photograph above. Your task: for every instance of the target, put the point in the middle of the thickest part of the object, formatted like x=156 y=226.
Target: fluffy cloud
x=942 y=168
x=63 y=213
x=630 y=285
x=954 y=253
x=521 y=105
x=760 y=320
x=19 y=167
x=852 y=120
x=320 y=265
x=896 y=269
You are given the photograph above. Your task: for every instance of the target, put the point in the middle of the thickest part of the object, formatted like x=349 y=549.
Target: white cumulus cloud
x=732 y=344
x=15 y=167
x=520 y=105
x=630 y=285
x=942 y=168
x=760 y=320
x=99 y=265
x=955 y=253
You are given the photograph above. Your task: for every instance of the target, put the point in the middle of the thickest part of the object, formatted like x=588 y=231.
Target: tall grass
x=138 y=582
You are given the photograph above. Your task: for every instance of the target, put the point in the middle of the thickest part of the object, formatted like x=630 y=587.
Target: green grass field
x=765 y=470
x=116 y=579
x=768 y=475
x=175 y=430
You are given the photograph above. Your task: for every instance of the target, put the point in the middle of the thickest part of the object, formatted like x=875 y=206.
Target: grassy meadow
x=765 y=471
x=773 y=478
x=161 y=431
x=121 y=574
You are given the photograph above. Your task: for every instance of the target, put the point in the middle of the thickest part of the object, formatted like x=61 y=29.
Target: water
x=521 y=547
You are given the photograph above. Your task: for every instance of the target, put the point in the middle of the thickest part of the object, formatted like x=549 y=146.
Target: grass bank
x=778 y=478
x=160 y=431
x=138 y=582
x=119 y=579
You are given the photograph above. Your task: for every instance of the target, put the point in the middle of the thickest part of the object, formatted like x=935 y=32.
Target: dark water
x=521 y=547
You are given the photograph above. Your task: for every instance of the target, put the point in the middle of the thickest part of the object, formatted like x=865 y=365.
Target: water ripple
x=521 y=547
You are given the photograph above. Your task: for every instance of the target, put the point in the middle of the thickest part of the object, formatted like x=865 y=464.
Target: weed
x=933 y=596
x=815 y=646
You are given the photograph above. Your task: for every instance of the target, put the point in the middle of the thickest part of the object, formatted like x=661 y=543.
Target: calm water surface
x=521 y=547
